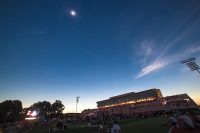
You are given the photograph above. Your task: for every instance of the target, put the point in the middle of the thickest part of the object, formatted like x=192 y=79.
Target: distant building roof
x=153 y=93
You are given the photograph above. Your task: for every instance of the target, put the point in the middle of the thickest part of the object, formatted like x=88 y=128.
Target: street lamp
x=77 y=99
x=191 y=64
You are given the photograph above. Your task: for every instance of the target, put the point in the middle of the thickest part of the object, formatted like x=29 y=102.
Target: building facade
x=130 y=98
x=145 y=101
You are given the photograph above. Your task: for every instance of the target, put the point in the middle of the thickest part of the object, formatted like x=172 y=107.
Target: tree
x=47 y=109
x=16 y=110
x=44 y=107
x=10 y=110
x=57 y=108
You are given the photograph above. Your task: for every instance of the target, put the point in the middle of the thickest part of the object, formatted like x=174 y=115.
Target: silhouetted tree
x=44 y=107
x=10 y=110
x=57 y=108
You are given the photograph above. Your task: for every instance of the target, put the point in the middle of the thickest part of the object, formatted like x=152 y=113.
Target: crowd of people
x=184 y=121
x=108 y=123
x=10 y=127
x=27 y=126
x=179 y=120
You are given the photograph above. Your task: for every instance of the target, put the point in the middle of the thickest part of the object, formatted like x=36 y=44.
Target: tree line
x=12 y=110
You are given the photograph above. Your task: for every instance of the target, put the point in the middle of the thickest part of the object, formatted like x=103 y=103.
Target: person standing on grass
x=101 y=128
x=116 y=128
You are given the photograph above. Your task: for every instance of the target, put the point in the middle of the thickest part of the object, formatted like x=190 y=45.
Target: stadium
x=148 y=101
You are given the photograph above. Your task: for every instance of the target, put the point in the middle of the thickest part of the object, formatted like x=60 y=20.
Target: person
x=184 y=125
x=100 y=128
x=172 y=121
x=185 y=121
x=116 y=128
x=1 y=130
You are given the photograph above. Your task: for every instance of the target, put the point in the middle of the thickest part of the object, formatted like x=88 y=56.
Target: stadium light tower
x=191 y=64
x=77 y=99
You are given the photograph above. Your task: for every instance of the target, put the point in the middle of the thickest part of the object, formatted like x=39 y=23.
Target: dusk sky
x=104 y=48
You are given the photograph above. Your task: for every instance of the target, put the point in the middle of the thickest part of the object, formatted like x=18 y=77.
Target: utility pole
x=77 y=99
x=191 y=64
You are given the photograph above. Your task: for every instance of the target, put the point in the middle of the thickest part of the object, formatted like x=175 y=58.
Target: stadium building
x=131 y=98
x=145 y=101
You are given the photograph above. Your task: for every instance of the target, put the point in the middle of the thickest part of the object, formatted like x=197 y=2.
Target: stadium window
x=187 y=99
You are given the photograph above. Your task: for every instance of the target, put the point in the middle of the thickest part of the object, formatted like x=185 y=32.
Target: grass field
x=153 y=125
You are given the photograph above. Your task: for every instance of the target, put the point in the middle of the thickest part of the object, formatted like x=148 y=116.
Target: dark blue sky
x=110 y=47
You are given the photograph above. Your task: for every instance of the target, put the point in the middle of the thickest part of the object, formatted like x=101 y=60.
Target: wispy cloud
x=194 y=49
x=161 y=63
x=185 y=69
x=146 y=48
x=152 y=67
x=177 y=41
x=146 y=51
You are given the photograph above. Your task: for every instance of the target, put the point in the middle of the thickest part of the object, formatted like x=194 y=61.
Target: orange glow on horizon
x=197 y=101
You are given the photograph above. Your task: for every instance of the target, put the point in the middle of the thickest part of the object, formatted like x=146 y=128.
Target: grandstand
x=145 y=101
x=134 y=103
x=131 y=98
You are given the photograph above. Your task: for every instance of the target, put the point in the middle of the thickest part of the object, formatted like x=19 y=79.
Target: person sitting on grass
x=172 y=121
x=184 y=121
x=116 y=128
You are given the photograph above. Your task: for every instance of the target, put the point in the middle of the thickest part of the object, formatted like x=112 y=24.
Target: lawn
x=153 y=125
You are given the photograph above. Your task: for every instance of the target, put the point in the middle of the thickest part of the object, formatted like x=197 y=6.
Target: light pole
x=191 y=64
x=77 y=99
